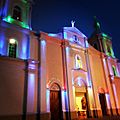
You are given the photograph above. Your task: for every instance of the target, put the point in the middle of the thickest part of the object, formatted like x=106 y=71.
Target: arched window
x=95 y=46
x=114 y=70
x=108 y=49
x=17 y=13
x=78 y=62
x=12 y=48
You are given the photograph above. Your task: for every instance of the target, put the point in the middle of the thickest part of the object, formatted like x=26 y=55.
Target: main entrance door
x=55 y=105
x=81 y=106
x=103 y=103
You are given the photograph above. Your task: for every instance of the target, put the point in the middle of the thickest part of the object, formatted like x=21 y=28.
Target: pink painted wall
x=11 y=86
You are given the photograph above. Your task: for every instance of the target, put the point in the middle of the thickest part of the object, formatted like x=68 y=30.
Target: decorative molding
x=55 y=87
x=53 y=81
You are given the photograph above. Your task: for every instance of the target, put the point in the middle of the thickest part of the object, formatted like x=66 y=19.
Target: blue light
x=24 y=47
x=32 y=66
x=67 y=50
x=4 y=8
x=52 y=35
x=71 y=39
x=48 y=100
x=0 y=11
x=80 y=82
x=31 y=78
x=65 y=35
x=86 y=44
x=33 y=61
x=108 y=100
x=66 y=100
x=31 y=91
x=24 y=56
x=43 y=48
x=43 y=42
x=2 y=44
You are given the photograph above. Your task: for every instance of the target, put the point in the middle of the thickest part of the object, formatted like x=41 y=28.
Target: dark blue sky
x=51 y=15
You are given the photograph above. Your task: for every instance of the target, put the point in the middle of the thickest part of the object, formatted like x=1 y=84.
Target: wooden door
x=55 y=105
x=103 y=103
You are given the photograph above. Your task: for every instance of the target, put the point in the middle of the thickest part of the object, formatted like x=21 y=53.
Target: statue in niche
x=83 y=102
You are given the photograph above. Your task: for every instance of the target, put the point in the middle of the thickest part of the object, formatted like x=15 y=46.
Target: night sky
x=51 y=15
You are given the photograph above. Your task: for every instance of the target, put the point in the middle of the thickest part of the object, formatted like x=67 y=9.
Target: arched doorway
x=102 y=100
x=55 y=102
x=81 y=97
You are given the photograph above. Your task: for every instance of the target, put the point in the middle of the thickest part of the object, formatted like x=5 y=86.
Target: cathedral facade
x=46 y=76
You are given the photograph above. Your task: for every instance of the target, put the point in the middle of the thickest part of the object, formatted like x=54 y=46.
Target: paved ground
x=103 y=118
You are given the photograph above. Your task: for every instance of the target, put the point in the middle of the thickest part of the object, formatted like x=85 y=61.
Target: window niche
x=78 y=62
x=75 y=39
x=108 y=49
x=114 y=70
x=12 y=48
x=17 y=13
x=95 y=46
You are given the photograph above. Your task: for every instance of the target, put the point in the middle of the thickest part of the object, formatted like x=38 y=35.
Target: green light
x=24 y=25
x=24 y=1
x=110 y=53
x=9 y=19
x=98 y=24
x=114 y=70
x=104 y=35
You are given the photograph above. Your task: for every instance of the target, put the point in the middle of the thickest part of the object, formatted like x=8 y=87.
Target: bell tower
x=101 y=41
x=17 y=12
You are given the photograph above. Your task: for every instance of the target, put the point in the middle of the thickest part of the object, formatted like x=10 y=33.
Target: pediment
x=74 y=30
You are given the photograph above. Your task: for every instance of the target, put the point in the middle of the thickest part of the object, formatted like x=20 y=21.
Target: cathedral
x=47 y=76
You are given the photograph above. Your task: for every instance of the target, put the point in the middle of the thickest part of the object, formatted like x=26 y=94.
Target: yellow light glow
x=12 y=41
x=78 y=103
x=78 y=99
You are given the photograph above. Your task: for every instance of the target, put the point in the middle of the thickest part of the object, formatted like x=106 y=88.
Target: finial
x=96 y=24
x=73 y=23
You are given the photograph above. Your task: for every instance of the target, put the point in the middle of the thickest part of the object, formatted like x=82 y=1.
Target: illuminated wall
x=4 y=7
x=74 y=35
x=98 y=76
x=107 y=44
x=32 y=91
x=12 y=78
x=76 y=64
x=33 y=46
x=43 y=74
x=2 y=44
x=14 y=28
x=25 y=16
x=83 y=74
x=21 y=38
